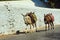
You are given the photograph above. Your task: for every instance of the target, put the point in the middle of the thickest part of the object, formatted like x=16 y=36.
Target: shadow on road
x=40 y=30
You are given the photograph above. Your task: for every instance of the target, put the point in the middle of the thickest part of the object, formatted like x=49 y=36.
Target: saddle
x=32 y=16
x=51 y=17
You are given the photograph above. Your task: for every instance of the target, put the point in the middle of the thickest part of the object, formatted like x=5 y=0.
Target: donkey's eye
x=28 y=18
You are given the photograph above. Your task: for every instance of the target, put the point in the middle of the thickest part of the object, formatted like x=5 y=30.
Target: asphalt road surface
x=40 y=35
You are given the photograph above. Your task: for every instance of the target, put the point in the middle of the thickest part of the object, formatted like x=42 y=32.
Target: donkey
x=30 y=19
x=48 y=19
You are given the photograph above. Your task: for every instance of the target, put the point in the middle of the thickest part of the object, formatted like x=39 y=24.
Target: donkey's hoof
x=36 y=30
x=48 y=29
x=45 y=29
x=53 y=28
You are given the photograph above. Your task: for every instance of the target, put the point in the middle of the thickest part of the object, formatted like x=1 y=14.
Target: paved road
x=41 y=35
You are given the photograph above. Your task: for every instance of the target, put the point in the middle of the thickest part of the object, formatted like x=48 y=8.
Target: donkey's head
x=27 y=19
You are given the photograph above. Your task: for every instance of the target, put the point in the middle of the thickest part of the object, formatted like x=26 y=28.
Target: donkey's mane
x=31 y=16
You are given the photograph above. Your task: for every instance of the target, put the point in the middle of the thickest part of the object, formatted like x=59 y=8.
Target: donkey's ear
x=22 y=15
x=44 y=14
x=33 y=12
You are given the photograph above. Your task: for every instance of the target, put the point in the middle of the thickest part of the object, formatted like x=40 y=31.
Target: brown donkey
x=48 y=20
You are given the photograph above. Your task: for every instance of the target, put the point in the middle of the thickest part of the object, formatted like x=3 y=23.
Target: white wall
x=13 y=20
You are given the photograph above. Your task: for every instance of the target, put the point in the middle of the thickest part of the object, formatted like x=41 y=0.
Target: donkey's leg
x=33 y=25
x=52 y=25
x=45 y=26
x=36 y=26
x=30 y=26
x=48 y=26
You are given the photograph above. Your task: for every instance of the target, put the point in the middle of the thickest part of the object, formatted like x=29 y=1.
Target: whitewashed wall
x=13 y=20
